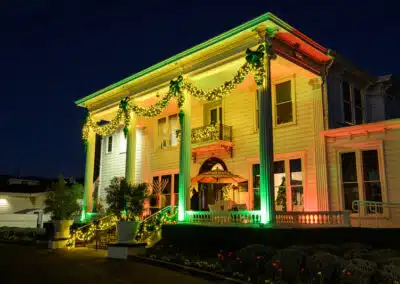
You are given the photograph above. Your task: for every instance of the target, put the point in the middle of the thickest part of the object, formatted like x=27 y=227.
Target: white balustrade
x=320 y=218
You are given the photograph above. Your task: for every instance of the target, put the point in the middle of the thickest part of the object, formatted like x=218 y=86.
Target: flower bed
x=349 y=263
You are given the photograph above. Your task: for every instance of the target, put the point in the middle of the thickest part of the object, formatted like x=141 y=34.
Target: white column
x=185 y=117
x=266 y=140
x=130 y=169
x=319 y=146
x=87 y=205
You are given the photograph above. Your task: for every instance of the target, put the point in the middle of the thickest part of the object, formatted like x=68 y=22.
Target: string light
x=254 y=63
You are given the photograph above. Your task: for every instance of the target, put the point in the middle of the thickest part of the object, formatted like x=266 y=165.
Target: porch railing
x=327 y=218
x=322 y=218
x=223 y=218
x=210 y=133
x=375 y=214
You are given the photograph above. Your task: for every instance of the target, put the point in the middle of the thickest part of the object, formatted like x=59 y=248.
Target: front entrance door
x=209 y=194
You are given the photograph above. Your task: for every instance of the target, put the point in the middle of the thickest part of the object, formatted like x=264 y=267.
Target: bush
x=359 y=271
x=287 y=264
x=324 y=265
x=388 y=274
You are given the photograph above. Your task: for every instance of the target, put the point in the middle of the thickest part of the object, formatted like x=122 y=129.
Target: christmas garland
x=254 y=63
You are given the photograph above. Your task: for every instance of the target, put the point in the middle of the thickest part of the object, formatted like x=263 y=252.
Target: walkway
x=25 y=264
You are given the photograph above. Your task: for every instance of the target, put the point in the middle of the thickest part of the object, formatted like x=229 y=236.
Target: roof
x=28 y=185
x=235 y=31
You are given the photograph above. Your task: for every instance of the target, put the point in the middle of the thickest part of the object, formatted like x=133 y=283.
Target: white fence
x=19 y=220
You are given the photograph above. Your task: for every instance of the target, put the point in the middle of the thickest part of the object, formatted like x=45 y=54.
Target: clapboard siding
x=113 y=164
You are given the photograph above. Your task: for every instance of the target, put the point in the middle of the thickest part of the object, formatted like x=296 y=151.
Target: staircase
x=99 y=233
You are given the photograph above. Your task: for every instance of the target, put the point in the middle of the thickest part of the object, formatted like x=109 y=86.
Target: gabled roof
x=251 y=25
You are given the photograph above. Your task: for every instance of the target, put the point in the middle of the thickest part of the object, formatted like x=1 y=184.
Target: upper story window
x=216 y=115
x=360 y=177
x=353 y=109
x=167 y=127
x=109 y=144
x=283 y=103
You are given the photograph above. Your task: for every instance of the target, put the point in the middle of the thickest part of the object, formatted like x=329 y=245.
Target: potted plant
x=62 y=204
x=126 y=202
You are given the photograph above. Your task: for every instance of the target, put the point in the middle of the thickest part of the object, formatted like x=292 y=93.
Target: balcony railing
x=375 y=214
x=210 y=133
x=284 y=219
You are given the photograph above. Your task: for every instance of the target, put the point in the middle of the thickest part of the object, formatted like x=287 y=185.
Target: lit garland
x=208 y=132
x=254 y=63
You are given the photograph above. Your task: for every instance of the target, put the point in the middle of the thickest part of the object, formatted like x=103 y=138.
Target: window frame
x=358 y=149
x=286 y=157
x=292 y=80
x=107 y=144
x=352 y=102
x=174 y=196
x=167 y=121
x=220 y=114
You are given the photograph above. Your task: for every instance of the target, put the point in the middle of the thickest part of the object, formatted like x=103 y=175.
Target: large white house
x=300 y=133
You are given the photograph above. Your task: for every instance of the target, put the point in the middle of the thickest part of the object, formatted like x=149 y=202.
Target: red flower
x=348 y=273
x=280 y=269
x=273 y=264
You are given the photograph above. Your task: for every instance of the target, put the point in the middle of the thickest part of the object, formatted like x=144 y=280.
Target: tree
x=125 y=200
x=62 y=201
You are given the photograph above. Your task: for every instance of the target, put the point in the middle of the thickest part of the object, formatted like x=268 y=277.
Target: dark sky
x=54 y=52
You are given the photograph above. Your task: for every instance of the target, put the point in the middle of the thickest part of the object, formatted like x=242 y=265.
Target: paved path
x=28 y=265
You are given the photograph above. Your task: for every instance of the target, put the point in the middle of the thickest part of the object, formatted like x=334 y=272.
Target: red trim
x=363 y=129
x=218 y=145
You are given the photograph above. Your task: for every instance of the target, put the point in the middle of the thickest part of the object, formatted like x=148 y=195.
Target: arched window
x=212 y=164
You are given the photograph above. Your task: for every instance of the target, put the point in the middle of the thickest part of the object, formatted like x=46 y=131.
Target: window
x=283 y=103
x=122 y=142
x=167 y=189
x=347 y=108
x=280 y=186
x=349 y=179
x=288 y=183
x=360 y=177
x=359 y=112
x=109 y=144
x=216 y=115
x=256 y=186
x=353 y=110
x=167 y=127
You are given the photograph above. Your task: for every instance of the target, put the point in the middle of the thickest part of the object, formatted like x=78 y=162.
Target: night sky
x=54 y=52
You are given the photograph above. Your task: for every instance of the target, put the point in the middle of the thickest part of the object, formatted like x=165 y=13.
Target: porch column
x=89 y=172
x=185 y=118
x=130 y=168
x=266 y=140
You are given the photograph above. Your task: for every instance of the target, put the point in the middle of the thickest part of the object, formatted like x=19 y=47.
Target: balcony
x=212 y=137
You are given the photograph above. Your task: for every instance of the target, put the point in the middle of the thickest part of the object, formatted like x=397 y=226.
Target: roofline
x=250 y=24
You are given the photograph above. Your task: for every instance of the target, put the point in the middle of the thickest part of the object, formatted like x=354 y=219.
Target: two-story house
x=206 y=121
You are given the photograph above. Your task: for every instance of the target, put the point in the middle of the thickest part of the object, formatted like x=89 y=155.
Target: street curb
x=186 y=269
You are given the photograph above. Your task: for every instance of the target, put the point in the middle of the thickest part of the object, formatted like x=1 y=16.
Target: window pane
x=347 y=112
x=256 y=186
x=256 y=176
x=349 y=170
x=176 y=183
x=357 y=97
x=284 y=113
x=283 y=92
x=373 y=191
x=346 y=91
x=162 y=131
x=297 y=195
x=370 y=165
x=173 y=127
x=359 y=115
x=279 y=167
x=109 y=145
x=213 y=118
x=167 y=189
x=350 y=194
x=296 y=177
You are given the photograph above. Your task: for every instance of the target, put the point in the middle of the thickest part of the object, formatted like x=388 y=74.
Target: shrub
x=324 y=265
x=287 y=264
x=388 y=274
x=358 y=271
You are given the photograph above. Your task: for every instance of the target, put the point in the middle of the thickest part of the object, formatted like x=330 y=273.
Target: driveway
x=25 y=264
